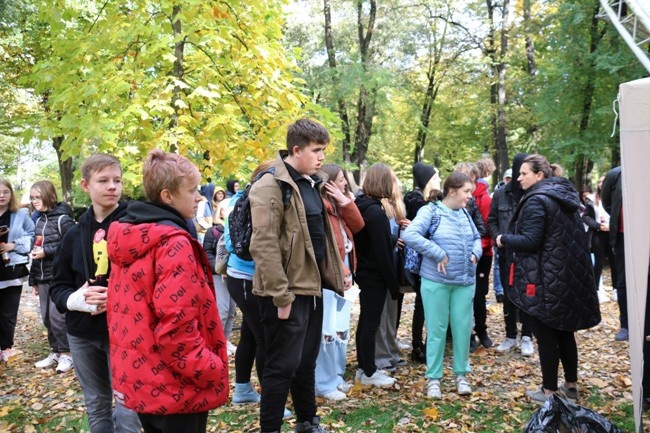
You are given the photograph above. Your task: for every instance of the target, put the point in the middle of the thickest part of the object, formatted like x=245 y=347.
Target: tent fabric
x=634 y=99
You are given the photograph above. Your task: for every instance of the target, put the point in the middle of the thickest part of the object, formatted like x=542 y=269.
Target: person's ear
x=84 y=185
x=296 y=151
x=166 y=197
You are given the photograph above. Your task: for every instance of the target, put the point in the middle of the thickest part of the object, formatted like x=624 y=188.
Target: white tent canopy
x=634 y=99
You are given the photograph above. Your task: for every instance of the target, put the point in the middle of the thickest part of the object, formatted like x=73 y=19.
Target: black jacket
x=504 y=201
x=210 y=243
x=612 y=196
x=375 y=246
x=70 y=273
x=546 y=243
x=52 y=226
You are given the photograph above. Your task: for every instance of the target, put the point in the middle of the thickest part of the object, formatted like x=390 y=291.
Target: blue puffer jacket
x=456 y=237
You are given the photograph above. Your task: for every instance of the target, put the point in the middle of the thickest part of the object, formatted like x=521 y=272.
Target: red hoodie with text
x=167 y=345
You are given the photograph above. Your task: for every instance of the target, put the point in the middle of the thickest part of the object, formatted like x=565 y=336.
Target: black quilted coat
x=552 y=275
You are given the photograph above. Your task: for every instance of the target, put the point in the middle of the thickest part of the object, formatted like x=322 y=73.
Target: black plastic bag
x=559 y=415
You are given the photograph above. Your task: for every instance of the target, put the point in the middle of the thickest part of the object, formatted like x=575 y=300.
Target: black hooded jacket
x=70 y=272
x=374 y=245
x=52 y=227
x=504 y=201
x=552 y=275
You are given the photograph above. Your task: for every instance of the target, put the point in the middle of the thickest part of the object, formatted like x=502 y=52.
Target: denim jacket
x=21 y=234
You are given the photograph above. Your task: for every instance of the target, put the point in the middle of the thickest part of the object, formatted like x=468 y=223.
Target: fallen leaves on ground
x=499 y=382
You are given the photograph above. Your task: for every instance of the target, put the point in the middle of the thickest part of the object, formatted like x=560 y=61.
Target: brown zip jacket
x=285 y=263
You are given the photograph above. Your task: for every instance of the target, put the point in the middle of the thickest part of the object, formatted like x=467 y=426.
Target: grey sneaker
x=569 y=393
x=310 y=427
x=538 y=395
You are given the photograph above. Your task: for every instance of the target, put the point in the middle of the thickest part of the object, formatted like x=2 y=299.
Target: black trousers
x=509 y=310
x=9 y=303
x=620 y=285
x=555 y=346
x=646 y=346
x=251 y=347
x=292 y=347
x=483 y=269
x=181 y=423
x=372 y=299
x=602 y=249
x=417 y=339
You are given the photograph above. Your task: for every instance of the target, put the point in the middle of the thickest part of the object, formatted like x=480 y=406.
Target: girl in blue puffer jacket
x=444 y=234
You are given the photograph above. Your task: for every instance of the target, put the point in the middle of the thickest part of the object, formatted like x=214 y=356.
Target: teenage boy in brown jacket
x=295 y=256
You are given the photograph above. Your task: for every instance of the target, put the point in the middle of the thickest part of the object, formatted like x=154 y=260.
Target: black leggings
x=482 y=287
x=9 y=303
x=251 y=338
x=555 y=346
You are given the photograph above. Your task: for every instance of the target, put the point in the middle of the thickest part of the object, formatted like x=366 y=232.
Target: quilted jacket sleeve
x=414 y=235
x=528 y=233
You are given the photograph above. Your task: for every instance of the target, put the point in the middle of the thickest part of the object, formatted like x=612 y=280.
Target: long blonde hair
x=394 y=205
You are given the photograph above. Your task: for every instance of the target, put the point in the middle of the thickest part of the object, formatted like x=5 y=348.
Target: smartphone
x=4 y=229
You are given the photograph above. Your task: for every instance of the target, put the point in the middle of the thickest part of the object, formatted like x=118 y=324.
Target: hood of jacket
x=559 y=189
x=514 y=186
x=60 y=209
x=364 y=202
x=153 y=222
x=88 y=217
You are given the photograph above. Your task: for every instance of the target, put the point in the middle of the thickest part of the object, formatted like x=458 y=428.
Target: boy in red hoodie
x=167 y=346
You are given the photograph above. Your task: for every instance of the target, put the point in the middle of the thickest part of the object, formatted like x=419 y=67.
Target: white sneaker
x=433 y=389
x=344 y=387
x=508 y=344
x=614 y=295
x=462 y=385
x=7 y=354
x=402 y=345
x=357 y=375
x=230 y=348
x=602 y=296
x=335 y=395
x=379 y=379
x=527 y=348
x=65 y=364
x=51 y=359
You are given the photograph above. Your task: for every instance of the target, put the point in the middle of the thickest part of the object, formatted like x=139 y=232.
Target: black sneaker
x=473 y=344
x=500 y=299
x=419 y=354
x=485 y=340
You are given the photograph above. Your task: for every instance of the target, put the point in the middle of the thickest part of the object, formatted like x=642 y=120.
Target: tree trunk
x=65 y=170
x=341 y=106
x=498 y=100
x=530 y=46
x=366 y=99
x=501 y=134
x=582 y=165
x=425 y=115
x=179 y=47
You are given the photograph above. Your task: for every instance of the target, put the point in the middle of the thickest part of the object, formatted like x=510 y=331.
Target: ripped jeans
x=330 y=364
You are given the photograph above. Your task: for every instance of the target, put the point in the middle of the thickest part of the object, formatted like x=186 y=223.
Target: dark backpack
x=239 y=220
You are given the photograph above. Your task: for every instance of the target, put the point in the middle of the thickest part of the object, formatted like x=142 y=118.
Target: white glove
x=77 y=302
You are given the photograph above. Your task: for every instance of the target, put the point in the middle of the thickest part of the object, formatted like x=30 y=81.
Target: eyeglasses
x=35 y=199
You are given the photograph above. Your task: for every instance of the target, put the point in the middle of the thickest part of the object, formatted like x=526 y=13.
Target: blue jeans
x=496 y=280
x=330 y=364
x=91 y=365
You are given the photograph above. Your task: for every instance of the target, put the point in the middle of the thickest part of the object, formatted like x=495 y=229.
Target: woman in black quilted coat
x=551 y=275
